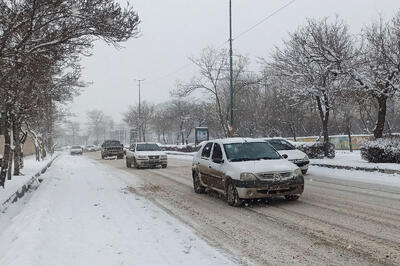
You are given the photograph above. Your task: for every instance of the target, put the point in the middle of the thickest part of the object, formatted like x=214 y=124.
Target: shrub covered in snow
x=386 y=150
x=187 y=148
x=315 y=150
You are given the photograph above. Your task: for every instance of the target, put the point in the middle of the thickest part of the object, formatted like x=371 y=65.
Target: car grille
x=272 y=176
x=154 y=157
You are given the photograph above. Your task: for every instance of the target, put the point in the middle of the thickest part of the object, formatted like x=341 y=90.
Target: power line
x=225 y=42
x=265 y=19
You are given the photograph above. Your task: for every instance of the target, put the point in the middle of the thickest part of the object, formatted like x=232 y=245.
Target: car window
x=250 y=151
x=207 y=150
x=111 y=143
x=281 y=145
x=148 y=147
x=76 y=147
x=217 y=152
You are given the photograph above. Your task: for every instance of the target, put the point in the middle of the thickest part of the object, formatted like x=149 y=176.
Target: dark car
x=111 y=148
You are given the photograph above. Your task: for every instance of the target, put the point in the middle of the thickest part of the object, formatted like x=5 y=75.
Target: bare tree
x=213 y=79
x=312 y=61
x=96 y=123
x=378 y=69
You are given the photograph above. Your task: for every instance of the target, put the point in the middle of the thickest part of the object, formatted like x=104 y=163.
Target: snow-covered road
x=84 y=214
x=335 y=222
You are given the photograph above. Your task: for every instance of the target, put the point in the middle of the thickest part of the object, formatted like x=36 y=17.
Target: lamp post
x=231 y=68
x=139 y=112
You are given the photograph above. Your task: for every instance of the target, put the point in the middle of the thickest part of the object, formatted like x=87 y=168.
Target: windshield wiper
x=241 y=159
x=268 y=158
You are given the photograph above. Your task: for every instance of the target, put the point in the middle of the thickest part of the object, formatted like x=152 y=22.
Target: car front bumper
x=269 y=189
x=113 y=153
x=150 y=163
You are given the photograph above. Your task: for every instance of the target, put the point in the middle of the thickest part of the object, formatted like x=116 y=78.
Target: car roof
x=146 y=143
x=235 y=140
x=268 y=138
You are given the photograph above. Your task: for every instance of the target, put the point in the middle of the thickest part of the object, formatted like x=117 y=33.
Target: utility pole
x=231 y=67
x=140 y=120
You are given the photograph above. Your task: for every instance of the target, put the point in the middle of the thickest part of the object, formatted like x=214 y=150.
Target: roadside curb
x=27 y=186
x=357 y=168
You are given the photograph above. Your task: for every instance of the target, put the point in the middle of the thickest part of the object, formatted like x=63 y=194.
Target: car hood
x=264 y=166
x=293 y=154
x=150 y=153
x=76 y=149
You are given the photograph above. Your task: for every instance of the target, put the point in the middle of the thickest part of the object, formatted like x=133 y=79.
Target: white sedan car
x=295 y=155
x=76 y=150
x=146 y=154
x=244 y=168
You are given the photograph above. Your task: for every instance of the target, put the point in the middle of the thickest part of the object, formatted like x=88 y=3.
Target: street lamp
x=231 y=67
x=140 y=122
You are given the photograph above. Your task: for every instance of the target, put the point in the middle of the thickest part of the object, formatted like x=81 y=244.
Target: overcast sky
x=173 y=30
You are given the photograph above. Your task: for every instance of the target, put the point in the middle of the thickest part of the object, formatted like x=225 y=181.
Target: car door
x=204 y=164
x=215 y=168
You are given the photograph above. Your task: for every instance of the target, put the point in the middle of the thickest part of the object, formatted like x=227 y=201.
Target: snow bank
x=354 y=159
x=84 y=213
x=31 y=167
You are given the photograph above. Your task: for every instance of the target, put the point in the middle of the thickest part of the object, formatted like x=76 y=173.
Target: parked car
x=295 y=155
x=111 y=148
x=146 y=154
x=76 y=150
x=90 y=148
x=244 y=168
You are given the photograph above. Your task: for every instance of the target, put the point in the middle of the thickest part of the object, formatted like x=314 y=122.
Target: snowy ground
x=353 y=159
x=84 y=214
x=31 y=167
x=353 y=175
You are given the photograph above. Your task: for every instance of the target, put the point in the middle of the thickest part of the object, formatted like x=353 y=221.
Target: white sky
x=173 y=30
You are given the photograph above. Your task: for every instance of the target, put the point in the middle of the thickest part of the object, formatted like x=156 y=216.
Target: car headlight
x=247 y=177
x=163 y=156
x=142 y=157
x=298 y=172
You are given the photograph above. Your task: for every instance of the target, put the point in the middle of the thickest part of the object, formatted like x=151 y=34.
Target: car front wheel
x=198 y=188
x=232 y=196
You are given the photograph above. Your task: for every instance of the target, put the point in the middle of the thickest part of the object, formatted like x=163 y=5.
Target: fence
x=341 y=142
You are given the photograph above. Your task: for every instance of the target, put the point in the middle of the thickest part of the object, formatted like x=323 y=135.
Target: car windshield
x=76 y=147
x=112 y=143
x=148 y=147
x=250 y=151
x=281 y=144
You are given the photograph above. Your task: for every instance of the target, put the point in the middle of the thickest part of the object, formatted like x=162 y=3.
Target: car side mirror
x=285 y=156
x=218 y=160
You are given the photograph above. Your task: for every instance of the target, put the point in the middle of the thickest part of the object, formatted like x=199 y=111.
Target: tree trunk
x=380 y=123
x=348 y=127
x=324 y=115
x=325 y=132
x=6 y=153
x=9 y=142
x=17 y=149
x=163 y=135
